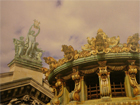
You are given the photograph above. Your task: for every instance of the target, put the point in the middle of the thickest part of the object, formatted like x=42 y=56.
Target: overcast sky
x=67 y=22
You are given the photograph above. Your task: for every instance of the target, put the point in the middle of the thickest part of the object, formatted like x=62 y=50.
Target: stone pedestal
x=23 y=68
x=106 y=99
x=73 y=103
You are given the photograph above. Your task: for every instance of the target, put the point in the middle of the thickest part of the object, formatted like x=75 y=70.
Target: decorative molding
x=89 y=71
x=117 y=68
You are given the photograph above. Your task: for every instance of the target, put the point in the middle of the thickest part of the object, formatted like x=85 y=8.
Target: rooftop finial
x=99 y=30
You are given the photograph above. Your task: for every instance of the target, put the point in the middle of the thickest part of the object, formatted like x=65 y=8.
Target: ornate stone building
x=104 y=72
x=24 y=84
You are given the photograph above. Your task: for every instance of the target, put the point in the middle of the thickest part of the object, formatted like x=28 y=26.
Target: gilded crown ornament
x=99 y=30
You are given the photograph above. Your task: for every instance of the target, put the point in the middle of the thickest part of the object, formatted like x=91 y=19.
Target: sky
x=67 y=22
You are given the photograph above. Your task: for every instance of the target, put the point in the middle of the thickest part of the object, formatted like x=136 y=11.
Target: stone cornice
x=24 y=82
x=26 y=64
x=6 y=74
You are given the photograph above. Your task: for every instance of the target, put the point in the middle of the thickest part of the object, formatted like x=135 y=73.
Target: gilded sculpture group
x=99 y=45
x=28 y=48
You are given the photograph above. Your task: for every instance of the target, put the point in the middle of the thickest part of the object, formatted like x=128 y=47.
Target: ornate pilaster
x=74 y=95
x=58 y=90
x=132 y=71
x=104 y=79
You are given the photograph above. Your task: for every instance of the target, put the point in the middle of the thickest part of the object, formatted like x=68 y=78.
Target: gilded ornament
x=125 y=48
x=61 y=61
x=132 y=77
x=58 y=90
x=117 y=68
x=104 y=79
x=74 y=95
x=36 y=24
x=46 y=72
x=132 y=42
x=101 y=44
x=89 y=71
x=51 y=62
x=69 y=52
x=116 y=49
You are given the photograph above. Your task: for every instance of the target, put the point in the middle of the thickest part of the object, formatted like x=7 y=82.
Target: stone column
x=109 y=83
x=128 y=88
x=83 y=90
x=65 y=95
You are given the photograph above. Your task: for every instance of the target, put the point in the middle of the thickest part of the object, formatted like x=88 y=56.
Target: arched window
x=93 y=89
x=117 y=84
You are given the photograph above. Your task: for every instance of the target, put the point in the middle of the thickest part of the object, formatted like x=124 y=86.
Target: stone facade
x=22 y=81
x=24 y=84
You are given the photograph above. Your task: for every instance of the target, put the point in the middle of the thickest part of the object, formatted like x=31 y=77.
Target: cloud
x=65 y=22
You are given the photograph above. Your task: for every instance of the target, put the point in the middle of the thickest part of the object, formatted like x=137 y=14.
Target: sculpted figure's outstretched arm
x=38 y=31
x=30 y=29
